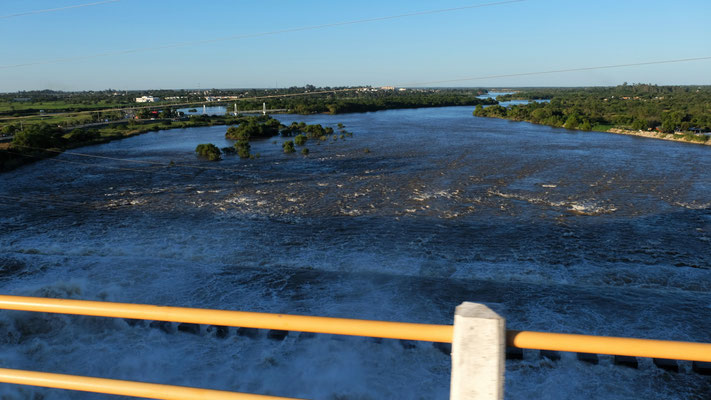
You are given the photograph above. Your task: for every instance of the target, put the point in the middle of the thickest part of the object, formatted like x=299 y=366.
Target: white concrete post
x=478 y=353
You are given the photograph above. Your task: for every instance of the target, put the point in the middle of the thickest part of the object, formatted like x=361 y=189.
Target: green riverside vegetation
x=41 y=140
x=300 y=100
x=373 y=100
x=671 y=112
x=682 y=111
x=79 y=124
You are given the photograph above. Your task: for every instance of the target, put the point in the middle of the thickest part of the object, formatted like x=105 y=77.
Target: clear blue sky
x=534 y=35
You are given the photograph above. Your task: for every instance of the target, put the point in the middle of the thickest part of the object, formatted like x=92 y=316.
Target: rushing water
x=556 y=230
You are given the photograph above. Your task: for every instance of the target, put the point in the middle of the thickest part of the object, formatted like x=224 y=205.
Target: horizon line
x=356 y=86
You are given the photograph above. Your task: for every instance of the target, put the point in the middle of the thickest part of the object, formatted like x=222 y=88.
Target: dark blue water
x=420 y=210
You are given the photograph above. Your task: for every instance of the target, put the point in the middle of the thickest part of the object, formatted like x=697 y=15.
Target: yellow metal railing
x=356 y=327
x=340 y=326
x=620 y=346
x=123 y=388
x=301 y=323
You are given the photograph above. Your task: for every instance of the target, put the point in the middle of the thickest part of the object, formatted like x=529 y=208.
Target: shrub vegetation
x=208 y=151
x=288 y=146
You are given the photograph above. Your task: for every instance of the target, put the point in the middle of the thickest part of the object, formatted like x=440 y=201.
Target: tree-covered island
x=264 y=126
x=243 y=129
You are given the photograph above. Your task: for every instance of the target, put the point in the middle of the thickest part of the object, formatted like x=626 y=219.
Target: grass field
x=21 y=107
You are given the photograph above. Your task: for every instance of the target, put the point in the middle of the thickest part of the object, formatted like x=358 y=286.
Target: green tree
x=244 y=131
x=288 y=146
x=208 y=151
x=8 y=130
x=572 y=122
x=314 y=131
x=639 y=124
x=81 y=135
x=539 y=115
x=496 y=111
x=249 y=128
x=300 y=140
x=243 y=148
x=478 y=111
x=229 y=150
x=40 y=136
x=668 y=126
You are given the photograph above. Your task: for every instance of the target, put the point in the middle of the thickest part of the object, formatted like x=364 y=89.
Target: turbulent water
x=556 y=230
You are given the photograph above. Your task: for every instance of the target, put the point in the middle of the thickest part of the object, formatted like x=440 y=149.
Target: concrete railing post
x=478 y=353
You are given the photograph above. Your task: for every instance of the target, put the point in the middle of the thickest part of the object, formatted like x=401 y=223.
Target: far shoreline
x=672 y=137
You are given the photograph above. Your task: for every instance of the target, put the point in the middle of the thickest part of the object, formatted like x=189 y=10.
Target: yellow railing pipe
x=337 y=326
x=123 y=388
x=610 y=345
x=342 y=326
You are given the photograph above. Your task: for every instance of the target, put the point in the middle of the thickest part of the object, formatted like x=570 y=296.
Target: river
x=422 y=209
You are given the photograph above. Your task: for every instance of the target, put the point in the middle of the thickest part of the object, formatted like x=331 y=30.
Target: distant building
x=387 y=88
x=147 y=99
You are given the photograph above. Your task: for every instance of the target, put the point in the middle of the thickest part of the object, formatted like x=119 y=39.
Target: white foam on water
x=255 y=243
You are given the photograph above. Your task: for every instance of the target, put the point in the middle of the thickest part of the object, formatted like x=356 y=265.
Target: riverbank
x=672 y=137
x=685 y=138
x=674 y=113
x=49 y=142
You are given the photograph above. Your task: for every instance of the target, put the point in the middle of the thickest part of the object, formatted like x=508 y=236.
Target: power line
x=47 y=10
x=411 y=84
x=260 y=34
x=555 y=71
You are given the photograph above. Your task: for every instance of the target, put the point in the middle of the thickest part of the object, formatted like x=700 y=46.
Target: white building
x=147 y=99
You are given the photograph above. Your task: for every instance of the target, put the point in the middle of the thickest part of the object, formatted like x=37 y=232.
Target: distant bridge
x=263 y=111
